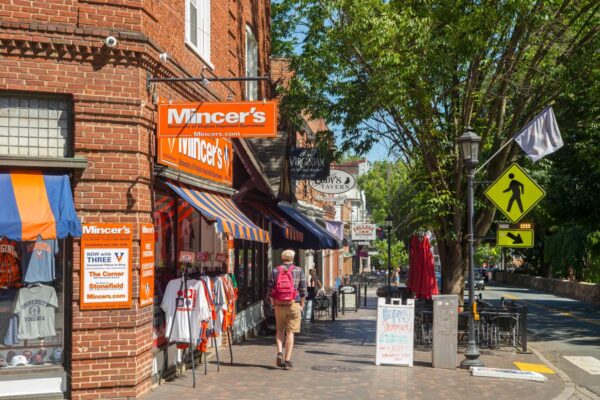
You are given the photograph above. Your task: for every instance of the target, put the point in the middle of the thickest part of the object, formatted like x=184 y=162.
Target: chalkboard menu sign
x=395 y=331
x=348 y=295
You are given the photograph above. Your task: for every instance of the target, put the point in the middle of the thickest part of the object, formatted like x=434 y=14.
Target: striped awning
x=33 y=203
x=270 y=213
x=223 y=211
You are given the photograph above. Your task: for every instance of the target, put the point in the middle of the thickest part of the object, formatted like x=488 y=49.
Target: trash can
x=445 y=331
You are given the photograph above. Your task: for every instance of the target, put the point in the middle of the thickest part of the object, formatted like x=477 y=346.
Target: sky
x=379 y=151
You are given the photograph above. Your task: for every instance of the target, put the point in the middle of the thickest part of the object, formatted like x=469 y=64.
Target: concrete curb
x=569 y=389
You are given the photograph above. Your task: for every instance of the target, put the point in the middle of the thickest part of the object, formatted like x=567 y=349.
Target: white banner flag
x=541 y=136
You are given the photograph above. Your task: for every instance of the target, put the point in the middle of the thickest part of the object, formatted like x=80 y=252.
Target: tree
x=399 y=254
x=416 y=74
x=571 y=211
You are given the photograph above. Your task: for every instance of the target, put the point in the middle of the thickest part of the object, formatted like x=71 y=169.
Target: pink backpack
x=284 y=288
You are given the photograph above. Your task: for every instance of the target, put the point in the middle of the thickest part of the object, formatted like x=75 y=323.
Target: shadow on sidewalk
x=242 y=365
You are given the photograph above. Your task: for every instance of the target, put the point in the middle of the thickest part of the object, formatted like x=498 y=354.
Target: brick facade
x=58 y=47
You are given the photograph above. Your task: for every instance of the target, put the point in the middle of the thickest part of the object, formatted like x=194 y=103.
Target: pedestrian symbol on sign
x=514 y=193
x=517 y=189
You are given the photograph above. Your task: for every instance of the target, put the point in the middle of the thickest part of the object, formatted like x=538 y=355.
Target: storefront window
x=164 y=230
x=32 y=306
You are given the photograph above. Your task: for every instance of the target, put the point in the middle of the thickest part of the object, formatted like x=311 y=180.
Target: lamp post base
x=471 y=358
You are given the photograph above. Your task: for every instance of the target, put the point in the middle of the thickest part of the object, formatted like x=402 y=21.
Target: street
x=558 y=328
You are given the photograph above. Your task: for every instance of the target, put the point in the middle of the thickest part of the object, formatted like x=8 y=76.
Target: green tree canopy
x=417 y=73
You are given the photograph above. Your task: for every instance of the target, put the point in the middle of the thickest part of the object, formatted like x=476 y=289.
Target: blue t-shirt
x=38 y=260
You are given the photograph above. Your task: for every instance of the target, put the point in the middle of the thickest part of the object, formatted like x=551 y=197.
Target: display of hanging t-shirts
x=191 y=306
x=220 y=302
x=36 y=306
x=38 y=260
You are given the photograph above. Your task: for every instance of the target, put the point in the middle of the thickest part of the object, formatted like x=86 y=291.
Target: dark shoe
x=288 y=365
x=280 y=362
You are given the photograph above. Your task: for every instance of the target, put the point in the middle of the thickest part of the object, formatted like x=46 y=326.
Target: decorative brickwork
x=58 y=47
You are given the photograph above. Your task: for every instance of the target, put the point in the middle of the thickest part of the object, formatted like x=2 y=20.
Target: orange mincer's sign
x=147 y=241
x=256 y=119
x=209 y=158
x=105 y=275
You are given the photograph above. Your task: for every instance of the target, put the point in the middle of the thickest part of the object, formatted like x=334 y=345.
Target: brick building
x=75 y=100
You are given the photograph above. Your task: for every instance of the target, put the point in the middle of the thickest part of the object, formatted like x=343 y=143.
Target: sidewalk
x=348 y=344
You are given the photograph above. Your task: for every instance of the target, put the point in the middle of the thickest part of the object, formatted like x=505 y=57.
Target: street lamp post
x=388 y=224
x=469 y=145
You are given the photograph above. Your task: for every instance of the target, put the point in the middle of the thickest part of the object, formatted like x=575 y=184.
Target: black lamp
x=469 y=146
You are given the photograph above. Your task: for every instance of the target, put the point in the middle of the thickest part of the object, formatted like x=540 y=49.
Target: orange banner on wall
x=209 y=158
x=105 y=276
x=227 y=119
x=147 y=242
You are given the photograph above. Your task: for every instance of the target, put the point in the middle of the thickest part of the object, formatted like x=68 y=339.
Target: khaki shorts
x=287 y=317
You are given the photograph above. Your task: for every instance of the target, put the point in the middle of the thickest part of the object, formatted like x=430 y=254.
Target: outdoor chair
x=425 y=328
x=321 y=307
x=504 y=327
x=463 y=327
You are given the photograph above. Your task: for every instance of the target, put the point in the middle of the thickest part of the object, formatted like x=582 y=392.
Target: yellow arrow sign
x=509 y=236
x=514 y=193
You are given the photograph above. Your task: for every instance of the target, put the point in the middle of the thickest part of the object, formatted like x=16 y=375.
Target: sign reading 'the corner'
x=105 y=275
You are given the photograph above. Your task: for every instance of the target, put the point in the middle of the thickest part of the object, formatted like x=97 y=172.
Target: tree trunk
x=453 y=267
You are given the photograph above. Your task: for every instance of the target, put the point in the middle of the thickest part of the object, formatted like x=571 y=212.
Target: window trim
x=205 y=58
x=250 y=34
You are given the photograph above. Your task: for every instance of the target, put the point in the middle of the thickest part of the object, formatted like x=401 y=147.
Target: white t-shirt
x=220 y=301
x=193 y=303
x=36 y=307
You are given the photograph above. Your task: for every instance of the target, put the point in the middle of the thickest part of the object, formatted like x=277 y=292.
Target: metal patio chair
x=322 y=306
x=504 y=328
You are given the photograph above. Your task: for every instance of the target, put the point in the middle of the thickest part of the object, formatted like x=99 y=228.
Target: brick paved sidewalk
x=349 y=343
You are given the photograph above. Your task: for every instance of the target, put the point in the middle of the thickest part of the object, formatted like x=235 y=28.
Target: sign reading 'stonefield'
x=209 y=158
x=231 y=120
x=105 y=274
x=337 y=182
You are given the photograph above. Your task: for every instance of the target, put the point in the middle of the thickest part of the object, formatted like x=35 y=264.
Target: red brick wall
x=57 y=47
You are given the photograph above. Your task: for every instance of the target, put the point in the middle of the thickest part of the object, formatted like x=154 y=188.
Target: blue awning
x=315 y=237
x=34 y=203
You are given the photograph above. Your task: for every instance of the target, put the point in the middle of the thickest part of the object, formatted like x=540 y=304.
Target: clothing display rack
x=207 y=278
x=183 y=285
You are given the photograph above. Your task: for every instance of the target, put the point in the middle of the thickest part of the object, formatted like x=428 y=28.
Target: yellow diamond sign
x=514 y=193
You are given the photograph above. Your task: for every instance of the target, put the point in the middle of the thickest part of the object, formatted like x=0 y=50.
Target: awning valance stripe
x=315 y=237
x=273 y=214
x=223 y=211
x=35 y=204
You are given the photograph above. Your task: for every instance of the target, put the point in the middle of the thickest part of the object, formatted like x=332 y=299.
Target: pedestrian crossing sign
x=514 y=193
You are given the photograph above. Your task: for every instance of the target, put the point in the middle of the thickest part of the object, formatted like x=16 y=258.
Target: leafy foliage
x=486 y=253
x=417 y=73
x=399 y=254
